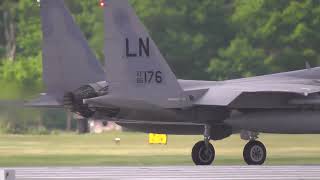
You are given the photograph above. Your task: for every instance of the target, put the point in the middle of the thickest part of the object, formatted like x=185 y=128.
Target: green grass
x=100 y=150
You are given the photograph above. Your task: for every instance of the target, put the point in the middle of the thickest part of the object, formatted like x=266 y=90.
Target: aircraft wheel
x=254 y=153
x=203 y=154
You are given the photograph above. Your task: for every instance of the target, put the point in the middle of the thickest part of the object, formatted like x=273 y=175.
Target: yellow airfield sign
x=158 y=138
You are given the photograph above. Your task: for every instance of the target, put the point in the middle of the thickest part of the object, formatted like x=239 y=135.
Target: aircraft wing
x=254 y=95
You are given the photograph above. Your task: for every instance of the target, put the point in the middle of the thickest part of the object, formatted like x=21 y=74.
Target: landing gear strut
x=203 y=152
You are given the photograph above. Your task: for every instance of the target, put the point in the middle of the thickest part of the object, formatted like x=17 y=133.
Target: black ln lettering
x=144 y=47
x=128 y=53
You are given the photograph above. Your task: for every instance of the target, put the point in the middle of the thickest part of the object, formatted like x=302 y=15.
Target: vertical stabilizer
x=134 y=65
x=68 y=61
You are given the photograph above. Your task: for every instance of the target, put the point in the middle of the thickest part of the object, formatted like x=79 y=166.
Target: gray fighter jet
x=139 y=90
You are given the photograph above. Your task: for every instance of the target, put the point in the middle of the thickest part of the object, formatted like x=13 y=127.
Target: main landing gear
x=254 y=153
x=203 y=152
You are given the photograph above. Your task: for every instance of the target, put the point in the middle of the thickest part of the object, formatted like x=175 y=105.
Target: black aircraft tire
x=199 y=154
x=254 y=153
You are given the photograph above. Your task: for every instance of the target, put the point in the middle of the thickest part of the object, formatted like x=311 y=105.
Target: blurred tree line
x=203 y=39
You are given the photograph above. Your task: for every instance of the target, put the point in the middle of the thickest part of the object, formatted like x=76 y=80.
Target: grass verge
x=101 y=150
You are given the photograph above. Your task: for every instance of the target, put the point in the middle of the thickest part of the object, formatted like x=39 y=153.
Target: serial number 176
x=149 y=77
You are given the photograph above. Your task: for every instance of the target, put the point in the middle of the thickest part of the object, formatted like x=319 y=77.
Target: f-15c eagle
x=138 y=89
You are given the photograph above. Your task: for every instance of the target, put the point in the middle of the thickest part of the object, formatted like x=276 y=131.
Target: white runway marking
x=170 y=172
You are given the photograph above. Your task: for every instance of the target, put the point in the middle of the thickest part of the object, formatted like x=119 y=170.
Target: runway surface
x=170 y=172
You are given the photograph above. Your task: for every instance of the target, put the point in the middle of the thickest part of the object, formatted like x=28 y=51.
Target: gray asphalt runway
x=170 y=172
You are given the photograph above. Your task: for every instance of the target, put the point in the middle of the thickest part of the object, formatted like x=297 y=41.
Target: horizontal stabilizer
x=45 y=101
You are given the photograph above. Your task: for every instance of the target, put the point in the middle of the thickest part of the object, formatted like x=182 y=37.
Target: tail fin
x=134 y=65
x=68 y=61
